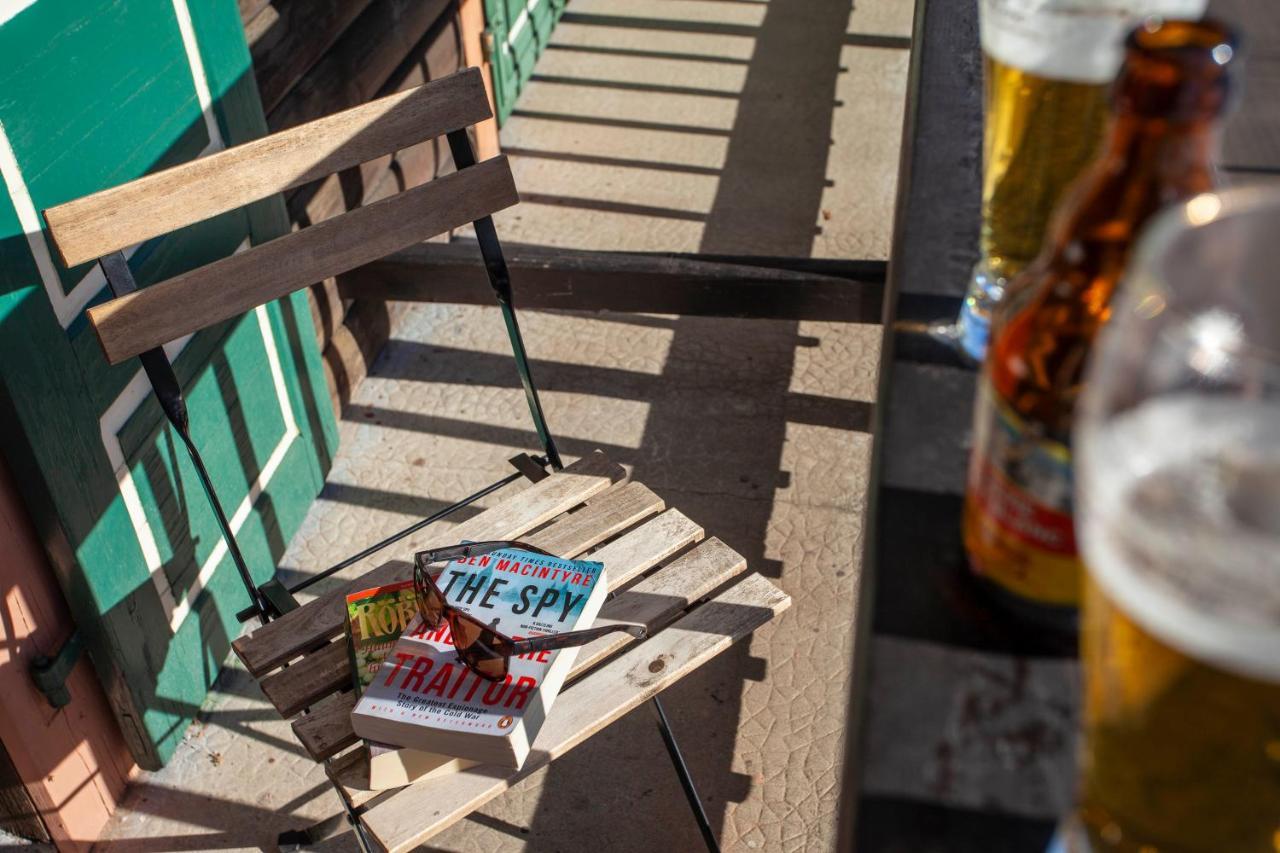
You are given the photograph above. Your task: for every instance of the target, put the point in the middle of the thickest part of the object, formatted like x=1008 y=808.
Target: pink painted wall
x=73 y=761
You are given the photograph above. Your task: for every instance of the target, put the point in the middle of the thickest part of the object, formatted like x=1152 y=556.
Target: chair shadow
x=748 y=215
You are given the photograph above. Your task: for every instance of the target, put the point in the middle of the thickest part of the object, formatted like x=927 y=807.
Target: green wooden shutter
x=94 y=93
x=520 y=30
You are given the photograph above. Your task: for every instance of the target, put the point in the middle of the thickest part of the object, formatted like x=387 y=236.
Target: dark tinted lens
x=430 y=603
x=480 y=648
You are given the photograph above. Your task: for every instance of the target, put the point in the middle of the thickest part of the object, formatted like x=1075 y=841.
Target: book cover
x=396 y=766
x=375 y=620
x=424 y=698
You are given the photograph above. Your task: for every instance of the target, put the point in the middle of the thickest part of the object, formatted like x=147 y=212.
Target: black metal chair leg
x=495 y=266
x=357 y=829
x=305 y=839
x=686 y=780
x=159 y=370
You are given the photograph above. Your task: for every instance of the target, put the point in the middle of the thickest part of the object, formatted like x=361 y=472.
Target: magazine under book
x=375 y=620
x=424 y=698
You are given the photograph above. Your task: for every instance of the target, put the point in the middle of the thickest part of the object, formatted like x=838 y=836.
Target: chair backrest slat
x=110 y=220
x=153 y=316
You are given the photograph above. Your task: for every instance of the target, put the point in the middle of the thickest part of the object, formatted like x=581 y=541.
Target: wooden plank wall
x=313 y=57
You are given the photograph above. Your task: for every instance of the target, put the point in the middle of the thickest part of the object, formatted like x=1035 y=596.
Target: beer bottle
x=1046 y=68
x=1018 y=530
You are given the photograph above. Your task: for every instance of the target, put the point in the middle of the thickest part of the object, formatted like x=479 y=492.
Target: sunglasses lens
x=480 y=649
x=430 y=604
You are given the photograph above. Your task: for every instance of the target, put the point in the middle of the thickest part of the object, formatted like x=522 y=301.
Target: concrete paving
x=677 y=125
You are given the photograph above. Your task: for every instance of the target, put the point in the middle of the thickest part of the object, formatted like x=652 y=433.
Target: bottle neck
x=1176 y=159
x=1145 y=164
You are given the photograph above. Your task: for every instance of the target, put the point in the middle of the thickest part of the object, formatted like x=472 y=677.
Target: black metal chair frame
x=273 y=598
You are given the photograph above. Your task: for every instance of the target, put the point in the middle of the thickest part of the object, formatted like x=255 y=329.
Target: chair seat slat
x=149 y=318
x=417 y=812
x=279 y=641
x=165 y=201
x=654 y=603
x=317 y=674
x=598 y=520
x=329 y=669
x=327 y=729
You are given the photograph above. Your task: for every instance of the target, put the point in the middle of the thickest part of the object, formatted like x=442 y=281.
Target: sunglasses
x=483 y=649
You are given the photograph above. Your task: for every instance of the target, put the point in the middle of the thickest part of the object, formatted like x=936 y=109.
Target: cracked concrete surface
x=654 y=125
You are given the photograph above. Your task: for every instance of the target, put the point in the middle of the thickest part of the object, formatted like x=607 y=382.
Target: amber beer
x=1047 y=65
x=1181 y=628
x=1019 y=531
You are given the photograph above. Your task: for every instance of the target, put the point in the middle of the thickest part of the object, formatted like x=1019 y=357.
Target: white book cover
x=424 y=698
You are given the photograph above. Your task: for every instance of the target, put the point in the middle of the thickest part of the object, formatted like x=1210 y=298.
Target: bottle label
x=974 y=328
x=1077 y=40
x=1020 y=488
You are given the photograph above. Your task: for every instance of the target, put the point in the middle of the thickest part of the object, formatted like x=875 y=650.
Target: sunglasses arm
x=472 y=549
x=568 y=639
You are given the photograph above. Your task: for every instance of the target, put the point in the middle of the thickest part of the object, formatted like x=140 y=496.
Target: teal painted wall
x=520 y=32
x=94 y=93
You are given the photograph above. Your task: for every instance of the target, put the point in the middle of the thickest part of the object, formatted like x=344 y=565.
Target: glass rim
x=1176 y=223
x=1200 y=212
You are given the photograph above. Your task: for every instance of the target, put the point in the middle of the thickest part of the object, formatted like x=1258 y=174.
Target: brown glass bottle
x=1166 y=102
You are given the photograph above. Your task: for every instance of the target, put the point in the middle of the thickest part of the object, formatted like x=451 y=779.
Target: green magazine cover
x=375 y=619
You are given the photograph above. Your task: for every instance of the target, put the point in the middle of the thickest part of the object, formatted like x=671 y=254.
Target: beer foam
x=1077 y=40
x=1179 y=509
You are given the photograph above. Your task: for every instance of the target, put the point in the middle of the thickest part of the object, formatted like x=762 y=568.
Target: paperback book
x=425 y=699
x=375 y=620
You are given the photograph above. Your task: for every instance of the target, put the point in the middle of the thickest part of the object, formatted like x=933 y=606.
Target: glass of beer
x=1178 y=436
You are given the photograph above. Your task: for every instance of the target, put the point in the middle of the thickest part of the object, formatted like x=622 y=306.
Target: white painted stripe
x=110 y=424
x=264 y=476
x=10 y=8
x=198 y=76
x=30 y=222
x=114 y=419
x=67 y=307
x=238 y=519
x=277 y=374
x=522 y=21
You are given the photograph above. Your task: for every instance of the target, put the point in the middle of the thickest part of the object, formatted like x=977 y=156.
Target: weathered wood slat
x=657 y=599
x=327 y=729
x=249 y=9
x=285 y=638
x=328 y=670
x=317 y=674
x=293 y=39
x=359 y=63
x=584 y=280
x=156 y=204
x=645 y=547
x=433 y=58
x=598 y=520
x=654 y=602
x=149 y=318
x=417 y=812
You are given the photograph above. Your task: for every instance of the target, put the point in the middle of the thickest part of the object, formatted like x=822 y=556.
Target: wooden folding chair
x=299 y=654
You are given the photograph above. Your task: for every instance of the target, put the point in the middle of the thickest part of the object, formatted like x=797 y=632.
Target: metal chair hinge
x=50 y=673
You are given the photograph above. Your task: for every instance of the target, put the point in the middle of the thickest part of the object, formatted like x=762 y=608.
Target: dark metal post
x=165 y=384
x=247 y=613
x=499 y=278
x=686 y=780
